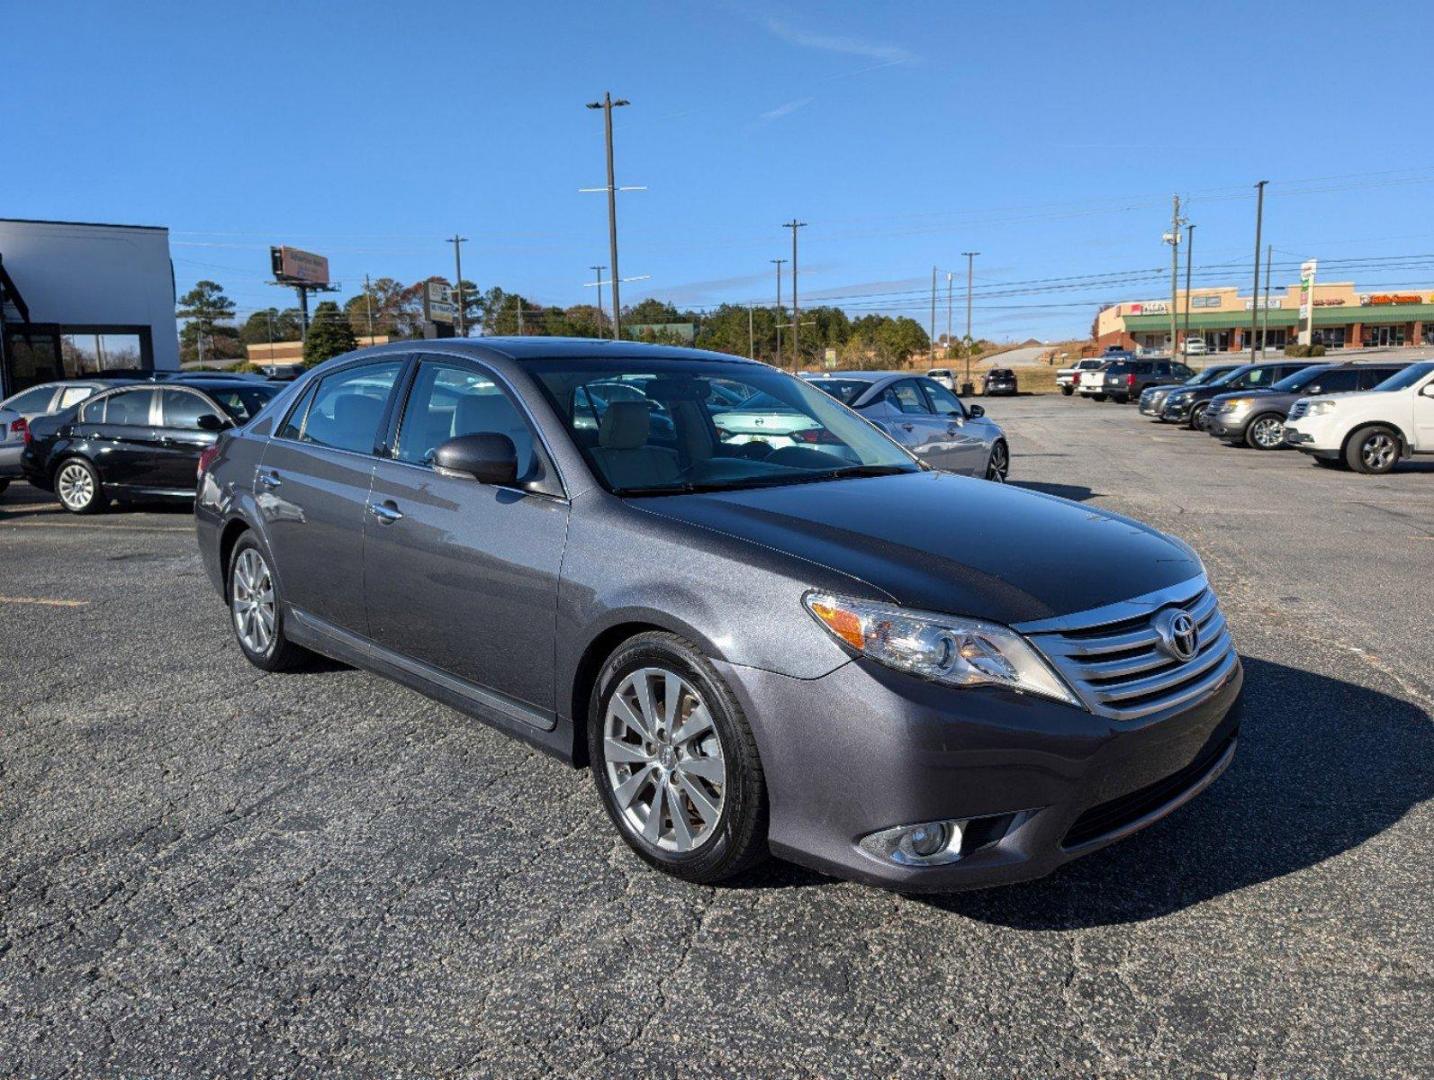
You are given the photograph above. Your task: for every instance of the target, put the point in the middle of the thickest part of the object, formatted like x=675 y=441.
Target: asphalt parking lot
x=205 y=870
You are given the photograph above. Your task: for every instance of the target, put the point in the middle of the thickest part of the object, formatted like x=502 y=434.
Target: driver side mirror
x=974 y=411
x=1428 y=390
x=210 y=422
x=488 y=457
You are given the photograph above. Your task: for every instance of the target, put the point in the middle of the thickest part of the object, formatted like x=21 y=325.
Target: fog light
x=929 y=843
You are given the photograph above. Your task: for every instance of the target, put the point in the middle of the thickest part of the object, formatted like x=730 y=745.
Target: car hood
x=949 y=543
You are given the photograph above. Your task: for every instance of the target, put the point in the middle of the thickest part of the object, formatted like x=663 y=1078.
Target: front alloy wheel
x=1266 y=433
x=675 y=762
x=664 y=760
x=999 y=466
x=1373 y=451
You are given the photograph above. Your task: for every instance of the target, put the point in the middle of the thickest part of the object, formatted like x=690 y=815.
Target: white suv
x=1369 y=432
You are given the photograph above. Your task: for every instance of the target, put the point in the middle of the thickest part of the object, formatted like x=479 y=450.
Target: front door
x=459 y=575
x=312 y=486
x=917 y=427
x=180 y=438
x=965 y=448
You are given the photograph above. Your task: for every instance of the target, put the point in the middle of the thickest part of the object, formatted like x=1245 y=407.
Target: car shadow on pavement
x=1074 y=492
x=1323 y=766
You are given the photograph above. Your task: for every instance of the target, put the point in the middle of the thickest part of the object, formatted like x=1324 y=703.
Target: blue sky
x=1049 y=137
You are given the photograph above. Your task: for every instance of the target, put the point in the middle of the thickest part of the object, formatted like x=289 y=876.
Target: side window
x=73 y=395
x=943 y=401
x=181 y=409
x=1259 y=377
x=448 y=400
x=348 y=406
x=93 y=411
x=905 y=396
x=1334 y=382
x=294 y=425
x=130 y=408
x=1183 y=372
x=1371 y=377
x=31 y=401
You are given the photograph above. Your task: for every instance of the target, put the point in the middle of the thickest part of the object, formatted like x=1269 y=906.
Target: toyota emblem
x=1179 y=636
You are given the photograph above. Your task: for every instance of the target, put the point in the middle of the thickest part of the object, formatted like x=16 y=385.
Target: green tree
x=330 y=334
x=206 y=333
x=271 y=324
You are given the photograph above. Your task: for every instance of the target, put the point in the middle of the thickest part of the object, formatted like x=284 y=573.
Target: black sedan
x=137 y=442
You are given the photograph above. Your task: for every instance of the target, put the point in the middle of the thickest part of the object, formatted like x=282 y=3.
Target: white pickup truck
x=1068 y=377
x=1368 y=431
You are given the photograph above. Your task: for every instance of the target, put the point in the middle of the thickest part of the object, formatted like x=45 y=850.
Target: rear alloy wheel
x=254 y=606
x=1266 y=432
x=999 y=465
x=1373 y=450
x=78 y=487
x=675 y=762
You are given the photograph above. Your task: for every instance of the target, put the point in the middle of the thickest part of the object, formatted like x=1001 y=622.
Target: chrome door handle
x=908 y=427
x=386 y=513
x=269 y=479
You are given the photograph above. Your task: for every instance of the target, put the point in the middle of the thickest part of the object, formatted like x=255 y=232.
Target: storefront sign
x=1150 y=307
x=438 y=303
x=1272 y=303
x=1204 y=301
x=1337 y=301
x=1307 y=281
x=1377 y=299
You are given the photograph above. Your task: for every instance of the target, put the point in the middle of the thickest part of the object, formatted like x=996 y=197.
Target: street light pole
x=794 y=225
x=455 y=240
x=931 y=338
x=970 y=274
x=607 y=104
x=1255 y=293
x=948 y=314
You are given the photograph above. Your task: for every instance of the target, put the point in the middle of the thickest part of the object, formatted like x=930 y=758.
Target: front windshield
x=1410 y=376
x=1300 y=379
x=677 y=436
x=1231 y=375
x=1209 y=375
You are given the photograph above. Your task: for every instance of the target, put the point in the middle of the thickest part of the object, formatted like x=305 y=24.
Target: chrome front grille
x=1115 y=660
x=1300 y=408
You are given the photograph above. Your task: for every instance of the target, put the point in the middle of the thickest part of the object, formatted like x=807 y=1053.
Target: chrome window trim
x=1133 y=608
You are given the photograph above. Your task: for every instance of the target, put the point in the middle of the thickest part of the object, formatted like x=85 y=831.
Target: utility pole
x=751 y=337
x=931 y=338
x=1265 y=319
x=1173 y=239
x=966 y=387
x=520 y=316
x=779 y=263
x=794 y=225
x=269 y=315
x=607 y=104
x=368 y=306
x=948 y=314
x=455 y=240
x=1189 y=254
x=1255 y=295
x=598 y=271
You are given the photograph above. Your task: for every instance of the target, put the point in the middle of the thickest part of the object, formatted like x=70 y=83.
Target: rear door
x=459 y=575
x=123 y=441
x=312 y=488
x=181 y=439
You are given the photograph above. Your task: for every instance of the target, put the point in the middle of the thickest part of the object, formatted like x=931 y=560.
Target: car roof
x=551 y=348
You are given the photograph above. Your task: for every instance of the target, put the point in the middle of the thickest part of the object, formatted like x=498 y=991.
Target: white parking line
x=44 y=601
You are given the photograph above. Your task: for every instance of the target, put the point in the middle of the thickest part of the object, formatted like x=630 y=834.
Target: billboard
x=293 y=266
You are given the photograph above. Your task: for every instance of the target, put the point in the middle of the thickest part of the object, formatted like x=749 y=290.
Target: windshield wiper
x=862 y=470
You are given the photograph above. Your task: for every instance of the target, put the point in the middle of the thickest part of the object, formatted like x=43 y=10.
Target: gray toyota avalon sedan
x=821 y=649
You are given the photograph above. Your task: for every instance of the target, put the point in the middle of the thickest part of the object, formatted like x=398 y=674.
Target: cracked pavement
x=207 y=871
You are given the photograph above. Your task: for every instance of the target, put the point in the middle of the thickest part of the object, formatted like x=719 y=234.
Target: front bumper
x=1229 y=426
x=1176 y=410
x=893 y=750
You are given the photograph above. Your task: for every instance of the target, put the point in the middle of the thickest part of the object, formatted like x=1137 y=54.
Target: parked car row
x=1366 y=416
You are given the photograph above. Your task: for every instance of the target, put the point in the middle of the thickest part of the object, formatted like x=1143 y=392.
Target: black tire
x=279 y=653
x=77 y=485
x=1097 y=397
x=738 y=840
x=3 y=485
x=1121 y=399
x=1328 y=463
x=1197 y=416
x=1373 y=449
x=1255 y=432
x=998 y=465
x=1067 y=391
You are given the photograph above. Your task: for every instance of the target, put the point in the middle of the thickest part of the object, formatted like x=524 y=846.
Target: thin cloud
x=836 y=43
x=785 y=109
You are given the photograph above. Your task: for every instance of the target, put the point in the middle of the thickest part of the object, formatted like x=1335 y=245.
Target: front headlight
x=1238 y=404
x=1182 y=397
x=1319 y=408
x=943 y=648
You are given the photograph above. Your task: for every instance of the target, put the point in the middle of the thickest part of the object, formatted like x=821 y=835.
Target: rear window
x=242 y=403
x=845 y=390
x=1117 y=368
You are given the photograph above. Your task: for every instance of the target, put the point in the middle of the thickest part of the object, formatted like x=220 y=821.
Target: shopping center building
x=1344 y=317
